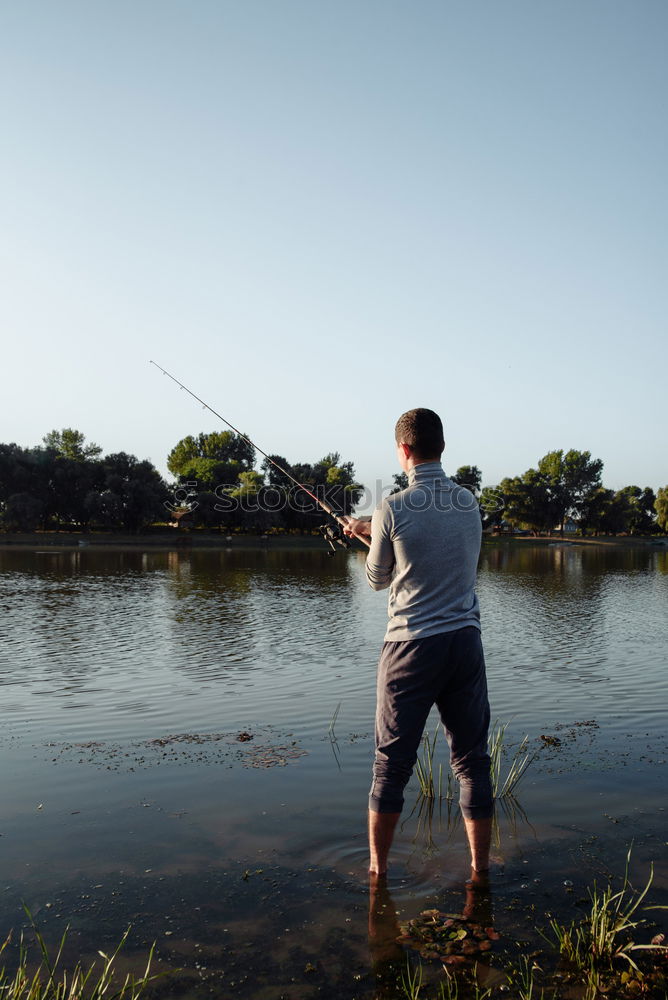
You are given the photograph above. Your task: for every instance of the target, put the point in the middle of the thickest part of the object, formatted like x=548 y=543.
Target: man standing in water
x=425 y=543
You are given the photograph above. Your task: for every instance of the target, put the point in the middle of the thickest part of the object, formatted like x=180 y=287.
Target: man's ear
x=406 y=449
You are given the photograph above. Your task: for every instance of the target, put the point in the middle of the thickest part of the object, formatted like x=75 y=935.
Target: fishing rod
x=333 y=535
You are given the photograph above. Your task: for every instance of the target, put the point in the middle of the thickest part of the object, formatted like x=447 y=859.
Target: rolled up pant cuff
x=378 y=805
x=477 y=812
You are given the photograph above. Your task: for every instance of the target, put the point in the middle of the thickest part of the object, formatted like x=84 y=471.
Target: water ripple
x=130 y=643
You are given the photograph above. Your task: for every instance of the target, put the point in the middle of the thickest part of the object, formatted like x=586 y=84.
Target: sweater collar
x=425 y=471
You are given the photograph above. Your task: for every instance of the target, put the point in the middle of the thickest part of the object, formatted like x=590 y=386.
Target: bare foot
x=478 y=879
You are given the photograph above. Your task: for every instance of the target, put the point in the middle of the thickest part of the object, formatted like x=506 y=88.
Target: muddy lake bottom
x=187 y=741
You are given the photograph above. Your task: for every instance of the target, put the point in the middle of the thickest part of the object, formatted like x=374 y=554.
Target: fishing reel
x=333 y=535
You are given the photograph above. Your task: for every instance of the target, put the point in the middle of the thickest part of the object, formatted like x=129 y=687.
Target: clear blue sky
x=320 y=214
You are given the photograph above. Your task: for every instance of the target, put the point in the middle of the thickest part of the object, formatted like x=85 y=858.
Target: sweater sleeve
x=380 y=560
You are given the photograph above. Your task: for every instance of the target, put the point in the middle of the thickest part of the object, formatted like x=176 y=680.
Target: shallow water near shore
x=173 y=756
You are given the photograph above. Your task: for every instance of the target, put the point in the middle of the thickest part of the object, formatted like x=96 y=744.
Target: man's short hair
x=422 y=430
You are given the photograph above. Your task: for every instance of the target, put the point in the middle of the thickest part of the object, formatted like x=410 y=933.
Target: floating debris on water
x=260 y=749
x=447 y=937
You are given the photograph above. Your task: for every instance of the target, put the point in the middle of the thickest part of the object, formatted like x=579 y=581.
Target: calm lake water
x=128 y=678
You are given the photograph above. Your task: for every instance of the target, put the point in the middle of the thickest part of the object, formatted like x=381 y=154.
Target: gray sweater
x=425 y=543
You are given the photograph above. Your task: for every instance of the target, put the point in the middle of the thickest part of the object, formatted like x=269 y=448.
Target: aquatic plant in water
x=411 y=984
x=601 y=953
x=411 y=981
x=604 y=934
x=519 y=763
x=424 y=770
x=431 y=781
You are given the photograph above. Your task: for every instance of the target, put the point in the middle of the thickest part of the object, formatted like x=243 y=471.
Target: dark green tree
x=661 y=507
x=205 y=513
x=400 y=482
x=132 y=494
x=492 y=506
x=22 y=512
x=211 y=459
x=599 y=514
x=70 y=481
x=569 y=479
x=527 y=502
x=69 y=443
x=638 y=505
x=26 y=470
x=330 y=479
x=469 y=476
x=647 y=504
x=336 y=480
x=272 y=475
x=57 y=483
x=15 y=471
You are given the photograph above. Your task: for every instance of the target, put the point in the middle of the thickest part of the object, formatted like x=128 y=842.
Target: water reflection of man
x=388 y=958
x=425 y=543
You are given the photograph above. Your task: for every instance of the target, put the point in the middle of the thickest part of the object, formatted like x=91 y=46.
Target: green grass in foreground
x=595 y=957
x=49 y=981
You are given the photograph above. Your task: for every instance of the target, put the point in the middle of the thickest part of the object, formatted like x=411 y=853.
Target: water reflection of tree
x=241 y=610
x=75 y=613
x=207 y=613
x=551 y=604
x=660 y=562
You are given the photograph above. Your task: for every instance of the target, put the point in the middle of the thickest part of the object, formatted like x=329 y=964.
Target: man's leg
x=405 y=693
x=381 y=834
x=464 y=709
x=479 y=836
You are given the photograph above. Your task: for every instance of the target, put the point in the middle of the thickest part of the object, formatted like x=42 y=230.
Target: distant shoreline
x=625 y=541
x=170 y=541
x=196 y=540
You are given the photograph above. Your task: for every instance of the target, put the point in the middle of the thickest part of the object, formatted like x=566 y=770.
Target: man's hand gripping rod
x=330 y=534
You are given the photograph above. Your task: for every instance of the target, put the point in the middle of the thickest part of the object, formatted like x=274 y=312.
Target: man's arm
x=380 y=560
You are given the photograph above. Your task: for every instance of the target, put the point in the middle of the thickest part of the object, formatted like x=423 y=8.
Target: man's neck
x=413 y=463
x=422 y=470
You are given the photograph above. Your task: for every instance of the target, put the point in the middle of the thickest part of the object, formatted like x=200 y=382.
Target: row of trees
x=567 y=486
x=65 y=481
x=220 y=487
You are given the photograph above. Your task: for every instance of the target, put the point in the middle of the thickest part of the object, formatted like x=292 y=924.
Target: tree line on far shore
x=218 y=486
x=566 y=487
x=67 y=483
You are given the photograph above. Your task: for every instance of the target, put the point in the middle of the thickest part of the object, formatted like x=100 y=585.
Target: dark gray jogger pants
x=446 y=670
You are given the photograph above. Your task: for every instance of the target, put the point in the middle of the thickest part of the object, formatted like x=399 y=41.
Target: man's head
x=419 y=436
